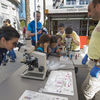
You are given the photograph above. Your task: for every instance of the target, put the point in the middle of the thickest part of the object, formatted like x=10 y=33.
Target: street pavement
x=11 y=67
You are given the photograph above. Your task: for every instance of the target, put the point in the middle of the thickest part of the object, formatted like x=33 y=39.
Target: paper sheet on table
x=53 y=65
x=31 y=95
x=65 y=59
x=60 y=82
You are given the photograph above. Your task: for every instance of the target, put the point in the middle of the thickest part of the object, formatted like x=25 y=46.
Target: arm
x=29 y=34
x=76 y=42
x=76 y=39
x=45 y=47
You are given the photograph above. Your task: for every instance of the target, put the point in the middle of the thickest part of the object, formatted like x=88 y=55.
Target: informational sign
x=31 y=95
x=60 y=82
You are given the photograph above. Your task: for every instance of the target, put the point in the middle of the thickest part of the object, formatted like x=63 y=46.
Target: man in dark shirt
x=8 y=40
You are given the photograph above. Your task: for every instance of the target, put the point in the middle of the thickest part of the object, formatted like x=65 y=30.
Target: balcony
x=16 y=2
x=70 y=6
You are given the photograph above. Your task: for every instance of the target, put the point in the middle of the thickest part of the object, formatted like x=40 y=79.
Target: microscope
x=68 y=46
x=35 y=65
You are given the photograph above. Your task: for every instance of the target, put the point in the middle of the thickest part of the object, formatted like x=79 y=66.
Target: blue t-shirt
x=31 y=27
x=2 y=54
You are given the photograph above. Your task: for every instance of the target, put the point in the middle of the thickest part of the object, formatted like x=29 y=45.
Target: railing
x=84 y=2
x=72 y=2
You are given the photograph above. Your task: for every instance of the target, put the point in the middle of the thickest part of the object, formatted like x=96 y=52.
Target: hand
x=45 y=47
x=84 y=60
x=39 y=32
x=95 y=71
x=58 y=50
x=49 y=50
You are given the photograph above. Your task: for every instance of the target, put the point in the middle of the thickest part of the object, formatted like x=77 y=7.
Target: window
x=84 y=2
x=70 y=2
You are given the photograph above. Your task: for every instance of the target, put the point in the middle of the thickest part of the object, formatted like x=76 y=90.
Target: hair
x=8 y=20
x=8 y=33
x=36 y=12
x=53 y=39
x=61 y=25
x=43 y=39
x=4 y=21
x=68 y=30
x=95 y=2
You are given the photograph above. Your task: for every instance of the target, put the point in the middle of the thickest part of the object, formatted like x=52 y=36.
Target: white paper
x=66 y=60
x=60 y=82
x=31 y=95
x=54 y=64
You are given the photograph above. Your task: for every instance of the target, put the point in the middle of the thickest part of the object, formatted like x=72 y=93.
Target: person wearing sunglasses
x=8 y=40
x=11 y=53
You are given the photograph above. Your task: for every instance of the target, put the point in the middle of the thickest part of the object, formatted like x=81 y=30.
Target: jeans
x=12 y=55
x=33 y=43
x=4 y=58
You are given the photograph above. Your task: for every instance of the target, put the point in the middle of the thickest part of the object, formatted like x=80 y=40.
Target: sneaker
x=4 y=63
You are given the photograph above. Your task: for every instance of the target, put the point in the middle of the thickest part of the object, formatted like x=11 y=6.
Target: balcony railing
x=70 y=2
x=74 y=2
x=84 y=2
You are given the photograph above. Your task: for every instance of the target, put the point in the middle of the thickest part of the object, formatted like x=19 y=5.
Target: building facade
x=9 y=9
x=72 y=13
x=22 y=12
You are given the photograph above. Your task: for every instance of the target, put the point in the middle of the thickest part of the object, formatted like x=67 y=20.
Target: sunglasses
x=15 y=44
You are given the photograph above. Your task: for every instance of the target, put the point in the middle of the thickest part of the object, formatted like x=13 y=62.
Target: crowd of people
x=51 y=43
x=46 y=43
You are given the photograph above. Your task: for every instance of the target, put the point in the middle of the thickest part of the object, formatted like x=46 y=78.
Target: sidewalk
x=11 y=67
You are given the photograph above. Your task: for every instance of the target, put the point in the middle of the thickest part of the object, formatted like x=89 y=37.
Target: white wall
x=9 y=11
x=32 y=9
x=49 y=4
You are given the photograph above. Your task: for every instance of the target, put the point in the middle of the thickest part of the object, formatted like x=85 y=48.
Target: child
x=75 y=45
x=61 y=32
x=43 y=43
x=59 y=42
x=53 y=46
